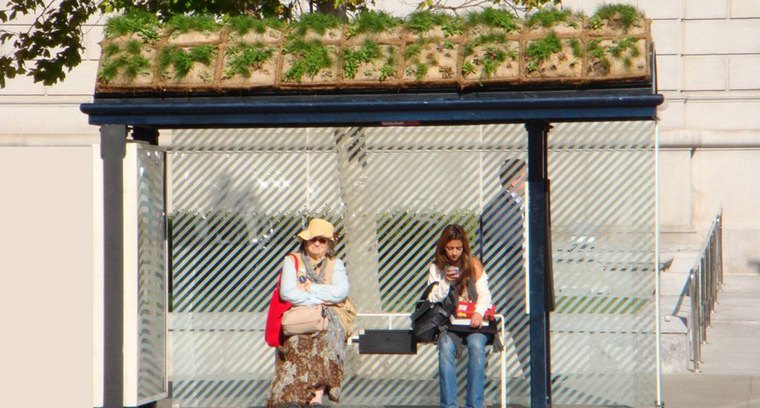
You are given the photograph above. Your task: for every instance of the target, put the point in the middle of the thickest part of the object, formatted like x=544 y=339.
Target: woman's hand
x=451 y=273
x=476 y=320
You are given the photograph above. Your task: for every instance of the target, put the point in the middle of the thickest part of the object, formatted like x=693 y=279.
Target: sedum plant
x=619 y=16
x=138 y=22
x=625 y=50
x=316 y=22
x=182 y=60
x=538 y=51
x=243 y=57
x=495 y=52
x=372 y=22
x=421 y=22
x=495 y=18
x=429 y=45
x=310 y=58
x=181 y=24
x=368 y=51
x=245 y=24
x=548 y=18
x=125 y=58
x=412 y=53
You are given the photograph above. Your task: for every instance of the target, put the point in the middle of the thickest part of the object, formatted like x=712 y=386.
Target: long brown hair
x=454 y=232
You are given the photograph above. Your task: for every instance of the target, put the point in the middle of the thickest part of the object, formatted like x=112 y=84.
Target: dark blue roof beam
x=375 y=110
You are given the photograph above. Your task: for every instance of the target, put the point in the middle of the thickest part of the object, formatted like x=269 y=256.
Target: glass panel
x=151 y=256
x=603 y=215
x=239 y=199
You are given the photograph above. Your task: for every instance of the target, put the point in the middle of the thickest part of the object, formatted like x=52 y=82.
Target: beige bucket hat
x=317 y=228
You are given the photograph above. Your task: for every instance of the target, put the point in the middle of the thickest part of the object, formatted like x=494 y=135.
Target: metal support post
x=540 y=279
x=113 y=151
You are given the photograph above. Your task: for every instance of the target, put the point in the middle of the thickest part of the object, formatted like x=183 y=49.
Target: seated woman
x=311 y=365
x=455 y=269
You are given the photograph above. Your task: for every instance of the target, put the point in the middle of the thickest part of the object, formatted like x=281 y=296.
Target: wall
x=713 y=97
x=42 y=114
x=47 y=252
x=708 y=53
x=729 y=178
x=46 y=279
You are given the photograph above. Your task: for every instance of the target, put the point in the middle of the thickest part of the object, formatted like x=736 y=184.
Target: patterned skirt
x=303 y=363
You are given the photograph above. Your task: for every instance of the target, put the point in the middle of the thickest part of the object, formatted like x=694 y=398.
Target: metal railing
x=705 y=280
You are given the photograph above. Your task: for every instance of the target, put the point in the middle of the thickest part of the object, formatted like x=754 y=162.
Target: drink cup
x=452 y=272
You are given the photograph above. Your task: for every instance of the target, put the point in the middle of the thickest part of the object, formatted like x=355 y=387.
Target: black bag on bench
x=490 y=329
x=430 y=318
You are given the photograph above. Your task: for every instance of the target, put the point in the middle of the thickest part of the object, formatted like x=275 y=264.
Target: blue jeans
x=476 y=367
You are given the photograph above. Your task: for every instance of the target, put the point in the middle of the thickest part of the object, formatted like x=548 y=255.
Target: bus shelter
x=195 y=228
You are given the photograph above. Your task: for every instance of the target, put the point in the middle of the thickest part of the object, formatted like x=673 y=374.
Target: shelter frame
x=144 y=117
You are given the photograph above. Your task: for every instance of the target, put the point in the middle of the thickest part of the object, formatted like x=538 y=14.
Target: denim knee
x=447 y=347
x=476 y=343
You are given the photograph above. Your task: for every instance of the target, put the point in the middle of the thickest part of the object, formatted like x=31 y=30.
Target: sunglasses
x=321 y=240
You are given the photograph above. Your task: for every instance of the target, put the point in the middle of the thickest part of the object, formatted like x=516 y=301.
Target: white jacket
x=441 y=290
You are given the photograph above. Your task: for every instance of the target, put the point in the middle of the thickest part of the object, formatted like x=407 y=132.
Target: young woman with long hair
x=454 y=269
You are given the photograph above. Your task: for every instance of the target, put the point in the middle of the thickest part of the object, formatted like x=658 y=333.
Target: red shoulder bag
x=277 y=307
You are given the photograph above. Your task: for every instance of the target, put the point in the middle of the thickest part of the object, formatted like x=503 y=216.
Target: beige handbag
x=303 y=320
x=346 y=312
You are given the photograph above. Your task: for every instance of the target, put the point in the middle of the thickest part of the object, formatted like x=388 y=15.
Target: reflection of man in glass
x=501 y=251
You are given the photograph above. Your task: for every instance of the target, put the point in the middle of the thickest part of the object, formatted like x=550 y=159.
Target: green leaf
x=244 y=24
x=184 y=24
x=539 y=50
x=311 y=58
x=372 y=22
x=423 y=21
x=498 y=18
x=618 y=15
x=134 y=21
x=317 y=22
x=182 y=61
x=244 y=57
x=548 y=18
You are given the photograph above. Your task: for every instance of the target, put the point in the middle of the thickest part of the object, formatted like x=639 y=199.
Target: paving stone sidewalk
x=730 y=372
